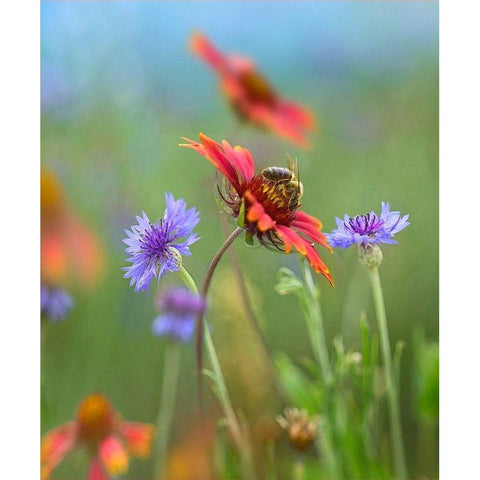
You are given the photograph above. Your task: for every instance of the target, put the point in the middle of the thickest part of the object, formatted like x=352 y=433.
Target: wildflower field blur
x=304 y=386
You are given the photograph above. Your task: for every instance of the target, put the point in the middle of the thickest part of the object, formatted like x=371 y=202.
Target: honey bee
x=287 y=181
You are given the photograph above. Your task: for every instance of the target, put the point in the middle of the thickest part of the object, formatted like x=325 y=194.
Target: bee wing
x=293 y=166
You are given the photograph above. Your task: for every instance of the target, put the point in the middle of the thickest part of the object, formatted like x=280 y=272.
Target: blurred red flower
x=252 y=97
x=69 y=249
x=101 y=430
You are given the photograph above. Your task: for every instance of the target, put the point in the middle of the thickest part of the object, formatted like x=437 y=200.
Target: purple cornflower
x=179 y=309
x=157 y=248
x=368 y=229
x=55 y=303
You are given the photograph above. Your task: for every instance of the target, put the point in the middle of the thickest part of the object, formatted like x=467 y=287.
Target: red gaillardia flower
x=101 y=430
x=267 y=204
x=251 y=96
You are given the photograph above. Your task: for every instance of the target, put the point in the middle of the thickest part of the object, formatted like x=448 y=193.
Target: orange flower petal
x=317 y=263
x=296 y=114
x=201 y=46
x=95 y=471
x=113 y=455
x=278 y=123
x=54 y=447
x=53 y=255
x=256 y=213
x=241 y=159
x=138 y=437
x=306 y=218
x=85 y=253
x=265 y=223
x=309 y=229
x=52 y=201
x=290 y=237
x=213 y=152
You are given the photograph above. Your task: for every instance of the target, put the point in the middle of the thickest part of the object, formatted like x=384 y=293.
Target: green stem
x=252 y=318
x=222 y=392
x=392 y=395
x=171 y=368
x=298 y=468
x=315 y=325
x=310 y=301
x=200 y=317
x=188 y=280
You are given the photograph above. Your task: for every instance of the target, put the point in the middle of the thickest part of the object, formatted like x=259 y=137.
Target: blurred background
x=118 y=90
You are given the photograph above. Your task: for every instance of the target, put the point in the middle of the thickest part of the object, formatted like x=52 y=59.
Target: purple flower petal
x=153 y=248
x=55 y=303
x=179 y=309
x=368 y=229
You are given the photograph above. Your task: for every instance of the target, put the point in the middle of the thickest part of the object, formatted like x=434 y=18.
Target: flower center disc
x=367 y=224
x=279 y=198
x=257 y=88
x=95 y=419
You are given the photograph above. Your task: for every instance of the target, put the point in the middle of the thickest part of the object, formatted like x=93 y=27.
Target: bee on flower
x=266 y=205
x=100 y=429
x=252 y=97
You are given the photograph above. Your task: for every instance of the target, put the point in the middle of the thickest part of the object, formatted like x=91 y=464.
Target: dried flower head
x=155 y=249
x=267 y=205
x=251 y=96
x=100 y=429
x=301 y=428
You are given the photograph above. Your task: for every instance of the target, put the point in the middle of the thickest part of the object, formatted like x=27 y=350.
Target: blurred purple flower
x=156 y=249
x=55 y=303
x=179 y=309
x=368 y=229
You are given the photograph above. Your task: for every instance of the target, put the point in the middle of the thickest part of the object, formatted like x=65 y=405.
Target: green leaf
x=301 y=391
x=241 y=216
x=249 y=239
x=288 y=282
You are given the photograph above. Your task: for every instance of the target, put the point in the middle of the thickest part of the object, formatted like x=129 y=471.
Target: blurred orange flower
x=101 y=430
x=252 y=97
x=191 y=459
x=69 y=249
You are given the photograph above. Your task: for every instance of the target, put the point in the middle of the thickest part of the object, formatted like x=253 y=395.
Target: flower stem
x=199 y=321
x=247 y=303
x=171 y=368
x=392 y=395
x=298 y=468
x=221 y=389
x=232 y=421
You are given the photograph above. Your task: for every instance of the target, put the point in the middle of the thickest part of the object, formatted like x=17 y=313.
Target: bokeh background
x=118 y=90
